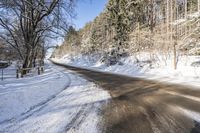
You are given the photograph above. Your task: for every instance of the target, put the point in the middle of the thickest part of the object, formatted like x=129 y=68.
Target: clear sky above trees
x=87 y=10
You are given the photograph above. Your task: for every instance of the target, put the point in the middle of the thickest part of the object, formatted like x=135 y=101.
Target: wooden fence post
x=22 y=73
x=42 y=69
x=38 y=70
x=17 y=73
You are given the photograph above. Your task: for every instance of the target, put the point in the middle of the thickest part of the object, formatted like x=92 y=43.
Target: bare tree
x=25 y=24
x=151 y=15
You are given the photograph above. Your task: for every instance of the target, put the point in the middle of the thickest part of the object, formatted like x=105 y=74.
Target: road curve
x=145 y=106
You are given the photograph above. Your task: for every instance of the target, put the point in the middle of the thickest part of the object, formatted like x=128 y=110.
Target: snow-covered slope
x=146 y=65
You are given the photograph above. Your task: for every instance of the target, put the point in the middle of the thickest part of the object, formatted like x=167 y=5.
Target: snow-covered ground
x=9 y=73
x=189 y=17
x=156 y=66
x=56 y=101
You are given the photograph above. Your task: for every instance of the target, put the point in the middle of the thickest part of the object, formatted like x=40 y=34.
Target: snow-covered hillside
x=145 y=65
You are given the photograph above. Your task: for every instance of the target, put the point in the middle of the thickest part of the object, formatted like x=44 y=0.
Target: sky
x=87 y=10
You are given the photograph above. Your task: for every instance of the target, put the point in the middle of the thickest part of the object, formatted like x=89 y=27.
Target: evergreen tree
x=118 y=20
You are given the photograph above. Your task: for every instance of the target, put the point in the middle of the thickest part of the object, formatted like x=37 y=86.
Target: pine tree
x=118 y=20
x=72 y=37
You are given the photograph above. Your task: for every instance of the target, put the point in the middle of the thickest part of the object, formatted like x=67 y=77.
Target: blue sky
x=87 y=10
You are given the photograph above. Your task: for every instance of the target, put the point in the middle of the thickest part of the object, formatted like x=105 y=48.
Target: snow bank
x=156 y=66
x=56 y=101
x=190 y=17
x=18 y=96
x=80 y=60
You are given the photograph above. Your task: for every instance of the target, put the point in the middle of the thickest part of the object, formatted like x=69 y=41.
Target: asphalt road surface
x=145 y=106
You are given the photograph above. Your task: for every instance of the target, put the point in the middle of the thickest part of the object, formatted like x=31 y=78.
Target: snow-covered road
x=58 y=101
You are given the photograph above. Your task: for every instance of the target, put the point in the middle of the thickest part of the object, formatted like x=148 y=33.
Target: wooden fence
x=20 y=71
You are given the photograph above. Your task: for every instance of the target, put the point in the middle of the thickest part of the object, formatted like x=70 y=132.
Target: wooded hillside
x=129 y=26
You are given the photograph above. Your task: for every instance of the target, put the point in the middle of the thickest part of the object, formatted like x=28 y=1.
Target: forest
x=126 y=27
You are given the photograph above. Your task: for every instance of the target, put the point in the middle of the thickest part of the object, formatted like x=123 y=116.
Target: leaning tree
x=25 y=24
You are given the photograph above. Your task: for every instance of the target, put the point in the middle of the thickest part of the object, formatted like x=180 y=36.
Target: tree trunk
x=198 y=5
x=34 y=62
x=27 y=62
x=175 y=55
x=35 y=53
